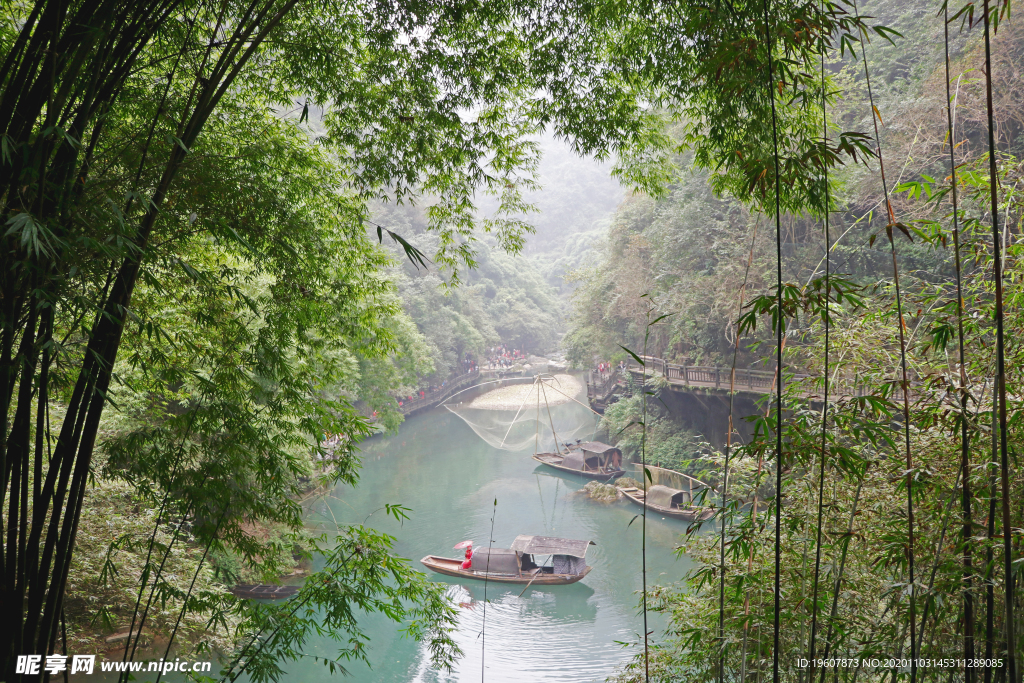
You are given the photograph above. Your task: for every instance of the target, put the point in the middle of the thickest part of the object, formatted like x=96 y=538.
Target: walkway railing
x=432 y=398
x=601 y=384
x=759 y=381
x=708 y=377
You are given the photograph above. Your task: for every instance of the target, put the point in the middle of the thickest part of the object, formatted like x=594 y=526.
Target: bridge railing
x=704 y=375
x=709 y=376
x=599 y=384
x=747 y=379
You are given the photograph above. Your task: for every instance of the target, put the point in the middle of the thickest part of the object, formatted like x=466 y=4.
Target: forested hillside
x=689 y=251
x=502 y=299
x=574 y=204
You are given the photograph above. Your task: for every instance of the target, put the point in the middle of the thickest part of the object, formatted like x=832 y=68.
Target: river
x=449 y=477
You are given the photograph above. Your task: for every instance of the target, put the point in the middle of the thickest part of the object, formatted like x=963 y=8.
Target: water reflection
x=561 y=604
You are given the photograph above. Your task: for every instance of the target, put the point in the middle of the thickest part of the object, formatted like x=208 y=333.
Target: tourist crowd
x=502 y=357
x=605 y=369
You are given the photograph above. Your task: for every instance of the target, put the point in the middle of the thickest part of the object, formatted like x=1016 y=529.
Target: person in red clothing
x=468 y=562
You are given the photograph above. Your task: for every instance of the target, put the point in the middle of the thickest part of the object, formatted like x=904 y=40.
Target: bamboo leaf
x=635 y=357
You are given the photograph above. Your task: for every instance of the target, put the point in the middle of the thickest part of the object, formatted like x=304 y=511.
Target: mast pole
x=536 y=438
x=550 y=420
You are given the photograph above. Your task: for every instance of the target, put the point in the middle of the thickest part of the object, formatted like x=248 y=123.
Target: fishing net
x=527 y=414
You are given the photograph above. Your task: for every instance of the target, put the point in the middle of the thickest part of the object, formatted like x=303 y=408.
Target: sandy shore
x=513 y=396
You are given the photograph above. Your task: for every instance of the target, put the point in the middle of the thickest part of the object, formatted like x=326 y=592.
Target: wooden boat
x=518 y=564
x=264 y=591
x=667 y=501
x=592 y=459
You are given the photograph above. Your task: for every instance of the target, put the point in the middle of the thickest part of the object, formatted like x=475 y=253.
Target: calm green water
x=437 y=466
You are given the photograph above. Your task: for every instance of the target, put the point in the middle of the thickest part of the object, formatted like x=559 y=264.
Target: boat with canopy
x=672 y=502
x=531 y=560
x=590 y=459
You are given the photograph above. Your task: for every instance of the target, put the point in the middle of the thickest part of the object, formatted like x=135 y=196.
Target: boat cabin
x=593 y=456
x=495 y=560
x=668 y=500
x=663 y=496
x=567 y=556
x=526 y=554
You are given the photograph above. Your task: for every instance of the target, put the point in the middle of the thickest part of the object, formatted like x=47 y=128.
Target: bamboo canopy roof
x=547 y=545
x=596 y=447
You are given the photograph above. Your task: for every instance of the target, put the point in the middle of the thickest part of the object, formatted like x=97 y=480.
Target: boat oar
x=531 y=581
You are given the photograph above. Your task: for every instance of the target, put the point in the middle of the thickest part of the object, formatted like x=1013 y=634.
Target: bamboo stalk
x=842 y=569
x=750 y=556
x=728 y=446
x=989 y=553
x=965 y=453
x=781 y=324
x=824 y=408
x=1004 y=464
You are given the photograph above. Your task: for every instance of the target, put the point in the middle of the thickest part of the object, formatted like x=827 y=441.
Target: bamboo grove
x=184 y=188
x=870 y=527
x=159 y=158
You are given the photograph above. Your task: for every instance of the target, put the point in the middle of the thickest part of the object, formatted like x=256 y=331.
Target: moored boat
x=591 y=459
x=264 y=591
x=519 y=564
x=668 y=501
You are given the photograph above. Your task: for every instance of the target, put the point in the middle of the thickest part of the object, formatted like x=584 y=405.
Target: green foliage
x=188 y=279
x=183 y=194
x=604 y=493
x=689 y=251
x=862 y=591
x=572 y=208
x=864 y=533
x=669 y=444
x=114 y=533
x=247 y=345
x=241 y=355
x=716 y=86
x=503 y=299
x=361 y=575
